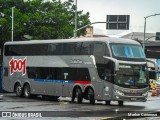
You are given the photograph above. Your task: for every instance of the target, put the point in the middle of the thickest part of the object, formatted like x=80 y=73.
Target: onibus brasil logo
x=18 y=65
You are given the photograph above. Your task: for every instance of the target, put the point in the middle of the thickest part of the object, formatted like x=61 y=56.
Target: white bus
x=103 y=69
x=152 y=52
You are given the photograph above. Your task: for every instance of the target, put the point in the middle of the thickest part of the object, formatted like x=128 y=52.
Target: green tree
x=39 y=19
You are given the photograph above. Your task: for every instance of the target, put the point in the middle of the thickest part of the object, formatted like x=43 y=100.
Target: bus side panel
x=50 y=88
x=97 y=83
x=37 y=86
x=6 y=84
x=108 y=90
x=67 y=88
x=7 y=80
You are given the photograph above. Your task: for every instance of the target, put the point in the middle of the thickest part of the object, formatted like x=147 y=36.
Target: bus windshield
x=131 y=76
x=127 y=51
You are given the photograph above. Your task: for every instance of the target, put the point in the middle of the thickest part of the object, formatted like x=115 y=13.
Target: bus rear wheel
x=91 y=96
x=18 y=90
x=27 y=92
x=79 y=95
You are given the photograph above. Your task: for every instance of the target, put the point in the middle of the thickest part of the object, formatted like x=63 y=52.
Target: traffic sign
x=117 y=22
x=157 y=35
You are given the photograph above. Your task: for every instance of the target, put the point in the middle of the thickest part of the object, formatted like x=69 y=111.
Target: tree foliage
x=39 y=19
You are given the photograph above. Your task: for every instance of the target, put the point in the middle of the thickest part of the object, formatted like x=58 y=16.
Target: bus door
x=97 y=83
x=66 y=73
x=108 y=90
x=98 y=86
x=65 y=89
x=109 y=80
x=108 y=86
x=105 y=72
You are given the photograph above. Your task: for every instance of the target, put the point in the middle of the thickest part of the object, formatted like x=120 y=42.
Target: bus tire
x=79 y=95
x=27 y=92
x=108 y=102
x=18 y=90
x=91 y=96
x=120 y=103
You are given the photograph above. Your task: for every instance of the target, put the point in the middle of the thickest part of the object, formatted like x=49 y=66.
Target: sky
x=137 y=9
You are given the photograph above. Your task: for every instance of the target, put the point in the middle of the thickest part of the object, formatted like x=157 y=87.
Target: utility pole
x=75 y=30
x=86 y=26
x=145 y=18
x=12 y=23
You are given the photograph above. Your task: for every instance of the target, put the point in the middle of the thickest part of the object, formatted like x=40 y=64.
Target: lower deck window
x=58 y=73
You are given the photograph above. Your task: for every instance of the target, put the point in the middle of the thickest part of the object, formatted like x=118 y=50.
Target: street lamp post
x=12 y=23
x=75 y=32
x=145 y=18
x=87 y=26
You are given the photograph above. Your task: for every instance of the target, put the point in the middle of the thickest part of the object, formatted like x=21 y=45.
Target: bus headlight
x=119 y=93
x=145 y=94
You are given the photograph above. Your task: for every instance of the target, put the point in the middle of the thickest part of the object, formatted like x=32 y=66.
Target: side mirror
x=115 y=62
x=155 y=64
x=152 y=73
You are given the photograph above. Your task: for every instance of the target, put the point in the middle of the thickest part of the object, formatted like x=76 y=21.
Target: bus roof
x=103 y=39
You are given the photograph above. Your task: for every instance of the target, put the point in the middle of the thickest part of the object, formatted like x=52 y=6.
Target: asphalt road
x=13 y=107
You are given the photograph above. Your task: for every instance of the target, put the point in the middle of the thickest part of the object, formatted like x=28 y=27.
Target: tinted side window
x=69 y=48
x=11 y=50
x=42 y=73
x=79 y=48
x=105 y=70
x=18 y=50
x=75 y=74
x=87 y=48
x=64 y=49
x=58 y=73
x=107 y=51
x=59 y=49
x=99 y=49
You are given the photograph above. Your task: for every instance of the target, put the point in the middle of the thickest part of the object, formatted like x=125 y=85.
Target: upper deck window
x=99 y=49
x=127 y=51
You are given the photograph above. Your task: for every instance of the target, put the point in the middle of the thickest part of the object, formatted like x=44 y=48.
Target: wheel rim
x=18 y=90
x=78 y=95
x=27 y=91
x=90 y=93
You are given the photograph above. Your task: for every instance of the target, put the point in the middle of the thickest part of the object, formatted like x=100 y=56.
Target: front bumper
x=132 y=98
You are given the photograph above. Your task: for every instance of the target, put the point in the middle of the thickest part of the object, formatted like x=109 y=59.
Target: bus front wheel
x=27 y=92
x=91 y=96
x=18 y=90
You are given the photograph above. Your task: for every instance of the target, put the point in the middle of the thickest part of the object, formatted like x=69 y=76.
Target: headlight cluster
x=145 y=94
x=118 y=92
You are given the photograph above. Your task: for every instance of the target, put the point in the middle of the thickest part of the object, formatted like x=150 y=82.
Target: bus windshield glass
x=131 y=76
x=127 y=51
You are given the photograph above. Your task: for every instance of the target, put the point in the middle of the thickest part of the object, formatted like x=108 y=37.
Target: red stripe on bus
x=82 y=82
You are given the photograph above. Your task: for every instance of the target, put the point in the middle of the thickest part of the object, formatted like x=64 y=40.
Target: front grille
x=133 y=94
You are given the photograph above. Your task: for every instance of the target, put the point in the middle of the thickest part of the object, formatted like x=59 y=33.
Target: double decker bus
x=152 y=51
x=103 y=69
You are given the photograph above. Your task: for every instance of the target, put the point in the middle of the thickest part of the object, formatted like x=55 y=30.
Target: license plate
x=133 y=99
